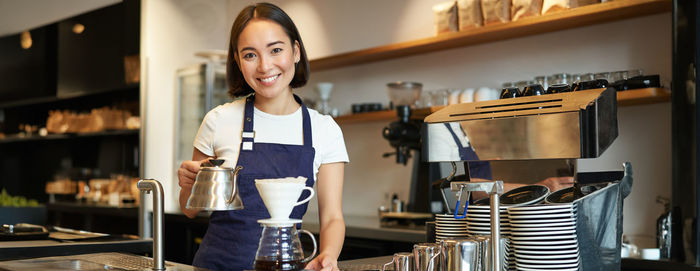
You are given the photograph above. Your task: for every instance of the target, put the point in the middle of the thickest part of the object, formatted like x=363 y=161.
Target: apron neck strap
x=249 y=113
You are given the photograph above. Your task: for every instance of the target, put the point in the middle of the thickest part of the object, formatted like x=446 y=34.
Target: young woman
x=272 y=135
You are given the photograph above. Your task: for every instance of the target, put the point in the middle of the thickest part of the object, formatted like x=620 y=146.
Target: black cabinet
x=77 y=65
x=94 y=49
x=30 y=72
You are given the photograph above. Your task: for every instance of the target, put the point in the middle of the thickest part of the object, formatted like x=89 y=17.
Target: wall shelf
x=12 y=139
x=624 y=98
x=55 y=99
x=567 y=19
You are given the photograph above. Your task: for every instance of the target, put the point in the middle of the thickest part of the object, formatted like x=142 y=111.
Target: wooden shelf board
x=566 y=19
x=366 y=117
x=643 y=96
x=624 y=98
x=11 y=139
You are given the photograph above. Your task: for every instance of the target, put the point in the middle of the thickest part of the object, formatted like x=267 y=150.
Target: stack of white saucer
x=544 y=237
x=448 y=227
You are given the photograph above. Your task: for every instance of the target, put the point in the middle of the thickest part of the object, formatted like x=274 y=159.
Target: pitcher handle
x=389 y=263
x=234 y=185
x=309 y=197
x=432 y=261
x=313 y=239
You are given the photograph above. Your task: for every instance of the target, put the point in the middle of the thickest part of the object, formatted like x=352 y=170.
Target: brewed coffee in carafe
x=279 y=247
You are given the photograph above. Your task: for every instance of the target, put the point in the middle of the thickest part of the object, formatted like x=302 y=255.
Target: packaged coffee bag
x=446 y=19
x=525 y=8
x=557 y=5
x=495 y=11
x=469 y=12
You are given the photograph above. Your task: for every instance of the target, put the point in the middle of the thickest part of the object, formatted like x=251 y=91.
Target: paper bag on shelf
x=549 y=6
x=525 y=8
x=446 y=17
x=469 y=12
x=495 y=11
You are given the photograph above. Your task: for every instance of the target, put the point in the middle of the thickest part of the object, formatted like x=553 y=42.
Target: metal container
x=459 y=255
x=402 y=261
x=215 y=188
x=426 y=256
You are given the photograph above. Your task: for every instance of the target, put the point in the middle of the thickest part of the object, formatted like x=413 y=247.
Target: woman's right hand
x=187 y=173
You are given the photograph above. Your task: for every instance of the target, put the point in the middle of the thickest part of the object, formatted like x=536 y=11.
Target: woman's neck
x=282 y=104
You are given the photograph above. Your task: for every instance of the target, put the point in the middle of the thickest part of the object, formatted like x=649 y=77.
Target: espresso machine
x=569 y=126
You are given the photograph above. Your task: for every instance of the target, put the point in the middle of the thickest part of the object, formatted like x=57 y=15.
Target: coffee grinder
x=404 y=135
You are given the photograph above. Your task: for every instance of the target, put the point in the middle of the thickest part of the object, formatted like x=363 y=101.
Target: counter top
x=375 y=263
x=11 y=250
x=368 y=227
x=91 y=261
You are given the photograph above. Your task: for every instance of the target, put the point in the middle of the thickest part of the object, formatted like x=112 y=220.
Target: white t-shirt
x=220 y=133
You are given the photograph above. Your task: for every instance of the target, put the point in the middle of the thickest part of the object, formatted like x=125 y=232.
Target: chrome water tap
x=147 y=185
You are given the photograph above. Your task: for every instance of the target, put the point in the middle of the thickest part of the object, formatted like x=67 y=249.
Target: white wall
x=171 y=32
x=331 y=27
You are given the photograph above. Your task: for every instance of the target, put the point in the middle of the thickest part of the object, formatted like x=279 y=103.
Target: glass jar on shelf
x=543 y=80
x=560 y=78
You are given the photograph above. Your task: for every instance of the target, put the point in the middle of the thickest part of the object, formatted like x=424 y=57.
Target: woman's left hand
x=323 y=262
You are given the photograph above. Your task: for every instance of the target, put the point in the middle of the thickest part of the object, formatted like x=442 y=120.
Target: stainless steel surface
x=444 y=186
x=516 y=129
x=215 y=188
x=426 y=256
x=496 y=259
x=93 y=261
x=402 y=261
x=484 y=253
x=147 y=186
x=494 y=189
x=459 y=255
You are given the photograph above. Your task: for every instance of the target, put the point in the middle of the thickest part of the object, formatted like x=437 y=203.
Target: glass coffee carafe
x=280 y=248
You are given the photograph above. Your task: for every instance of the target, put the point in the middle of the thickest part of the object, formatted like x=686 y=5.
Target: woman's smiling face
x=267 y=57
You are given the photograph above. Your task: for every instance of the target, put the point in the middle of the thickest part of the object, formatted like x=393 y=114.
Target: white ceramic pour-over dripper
x=324 y=90
x=281 y=195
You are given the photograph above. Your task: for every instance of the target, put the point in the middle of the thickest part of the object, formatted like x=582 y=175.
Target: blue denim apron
x=232 y=237
x=479 y=169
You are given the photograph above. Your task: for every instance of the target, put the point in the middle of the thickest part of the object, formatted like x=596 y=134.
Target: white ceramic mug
x=281 y=195
x=467 y=96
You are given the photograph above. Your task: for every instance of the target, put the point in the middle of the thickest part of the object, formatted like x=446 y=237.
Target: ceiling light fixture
x=25 y=40
x=78 y=28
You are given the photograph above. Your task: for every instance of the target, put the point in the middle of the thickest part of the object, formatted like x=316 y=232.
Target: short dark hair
x=237 y=86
